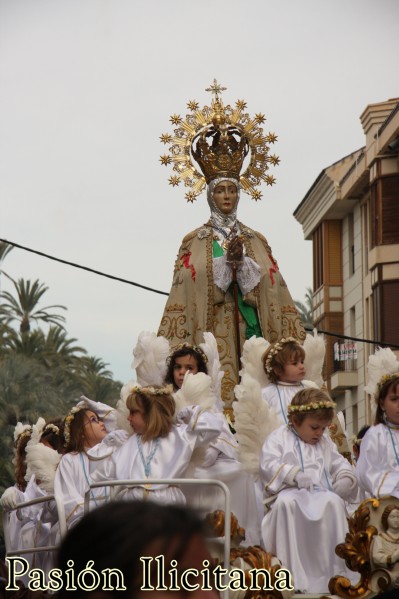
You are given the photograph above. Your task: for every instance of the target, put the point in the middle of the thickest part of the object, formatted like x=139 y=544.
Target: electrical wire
x=114 y=278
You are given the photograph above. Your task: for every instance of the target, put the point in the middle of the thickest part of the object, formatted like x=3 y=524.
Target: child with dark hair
x=29 y=526
x=187 y=367
x=89 y=438
x=305 y=483
x=184 y=358
x=18 y=492
x=378 y=464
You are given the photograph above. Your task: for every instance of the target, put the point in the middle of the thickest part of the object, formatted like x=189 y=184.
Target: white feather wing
x=150 y=354
x=37 y=431
x=19 y=429
x=383 y=362
x=121 y=410
x=251 y=359
x=196 y=390
x=43 y=462
x=315 y=351
x=210 y=348
x=254 y=421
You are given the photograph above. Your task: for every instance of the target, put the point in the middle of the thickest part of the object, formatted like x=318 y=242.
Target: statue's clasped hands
x=235 y=250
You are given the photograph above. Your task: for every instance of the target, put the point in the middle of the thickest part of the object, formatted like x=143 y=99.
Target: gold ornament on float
x=218 y=138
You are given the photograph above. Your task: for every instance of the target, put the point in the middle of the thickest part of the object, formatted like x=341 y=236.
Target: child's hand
x=116 y=438
x=9 y=499
x=344 y=486
x=210 y=457
x=184 y=415
x=304 y=481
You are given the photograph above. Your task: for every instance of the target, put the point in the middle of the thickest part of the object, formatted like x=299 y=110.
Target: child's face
x=94 y=429
x=182 y=365
x=390 y=405
x=311 y=429
x=294 y=370
x=136 y=421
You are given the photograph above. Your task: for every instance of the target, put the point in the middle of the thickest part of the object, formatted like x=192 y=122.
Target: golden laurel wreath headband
x=219 y=138
x=308 y=407
x=195 y=348
x=274 y=349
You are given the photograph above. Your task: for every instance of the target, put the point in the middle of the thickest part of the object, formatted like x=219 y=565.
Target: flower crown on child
x=166 y=390
x=68 y=421
x=274 y=349
x=194 y=348
x=308 y=407
x=384 y=379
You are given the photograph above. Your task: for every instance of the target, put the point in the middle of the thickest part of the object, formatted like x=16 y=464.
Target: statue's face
x=393 y=520
x=225 y=196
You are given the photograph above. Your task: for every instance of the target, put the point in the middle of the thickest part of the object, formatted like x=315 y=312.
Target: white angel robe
x=378 y=463
x=26 y=528
x=279 y=396
x=75 y=473
x=302 y=528
x=241 y=485
x=166 y=457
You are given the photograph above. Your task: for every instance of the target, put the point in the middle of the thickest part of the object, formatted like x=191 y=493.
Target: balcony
x=345 y=367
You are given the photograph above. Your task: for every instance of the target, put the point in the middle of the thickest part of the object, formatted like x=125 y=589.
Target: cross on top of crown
x=216 y=89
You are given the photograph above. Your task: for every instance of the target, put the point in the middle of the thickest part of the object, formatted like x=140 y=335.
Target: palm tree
x=96 y=366
x=96 y=380
x=5 y=249
x=24 y=308
x=306 y=309
x=59 y=350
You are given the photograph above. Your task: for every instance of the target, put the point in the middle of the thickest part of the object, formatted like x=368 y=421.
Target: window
x=351 y=245
x=318 y=269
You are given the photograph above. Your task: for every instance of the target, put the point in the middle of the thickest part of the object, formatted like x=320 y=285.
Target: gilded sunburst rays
x=216 y=122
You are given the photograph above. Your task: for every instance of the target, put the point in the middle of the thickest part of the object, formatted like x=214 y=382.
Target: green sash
x=248 y=313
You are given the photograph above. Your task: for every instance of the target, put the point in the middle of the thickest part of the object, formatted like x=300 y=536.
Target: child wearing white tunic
x=284 y=365
x=305 y=483
x=378 y=464
x=26 y=525
x=16 y=494
x=160 y=448
x=220 y=460
x=87 y=444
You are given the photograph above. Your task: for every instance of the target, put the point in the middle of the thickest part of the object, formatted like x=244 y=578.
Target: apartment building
x=351 y=215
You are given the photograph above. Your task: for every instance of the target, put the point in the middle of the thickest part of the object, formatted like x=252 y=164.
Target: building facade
x=351 y=215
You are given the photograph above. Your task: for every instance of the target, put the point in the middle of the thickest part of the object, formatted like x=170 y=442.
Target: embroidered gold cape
x=196 y=304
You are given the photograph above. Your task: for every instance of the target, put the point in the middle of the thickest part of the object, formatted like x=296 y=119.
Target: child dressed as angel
x=305 y=482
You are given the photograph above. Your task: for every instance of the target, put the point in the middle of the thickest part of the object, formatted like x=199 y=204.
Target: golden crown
x=219 y=138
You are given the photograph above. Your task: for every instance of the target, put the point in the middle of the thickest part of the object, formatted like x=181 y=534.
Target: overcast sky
x=88 y=86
